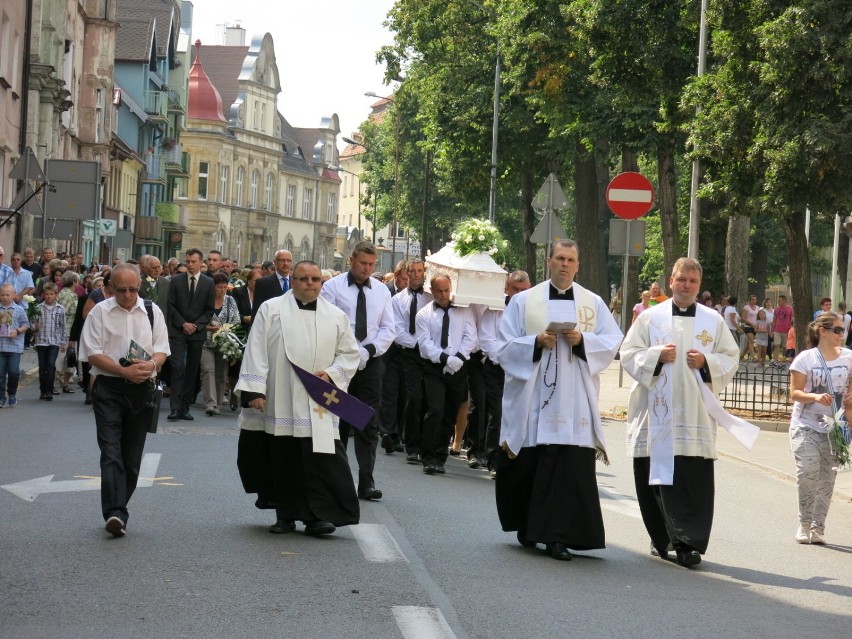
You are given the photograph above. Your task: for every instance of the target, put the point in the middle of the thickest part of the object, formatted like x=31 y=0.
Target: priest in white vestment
x=555 y=339
x=681 y=355
x=290 y=452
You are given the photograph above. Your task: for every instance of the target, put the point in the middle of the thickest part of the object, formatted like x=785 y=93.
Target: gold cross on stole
x=331 y=397
x=705 y=337
x=319 y=410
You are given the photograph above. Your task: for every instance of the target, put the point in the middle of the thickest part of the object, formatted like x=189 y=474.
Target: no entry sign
x=630 y=195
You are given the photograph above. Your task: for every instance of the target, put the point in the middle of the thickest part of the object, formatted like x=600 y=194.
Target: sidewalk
x=771 y=452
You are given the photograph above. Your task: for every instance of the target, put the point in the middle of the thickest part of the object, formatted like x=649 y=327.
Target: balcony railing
x=168 y=212
x=157 y=104
x=148 y=228
x=155 y=168
x=177 y=100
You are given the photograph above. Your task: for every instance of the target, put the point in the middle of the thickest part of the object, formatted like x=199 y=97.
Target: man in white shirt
x=123 y=391
x=367 y=303
x=446 y=335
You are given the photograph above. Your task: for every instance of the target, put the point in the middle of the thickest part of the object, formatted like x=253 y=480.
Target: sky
x=325 y=51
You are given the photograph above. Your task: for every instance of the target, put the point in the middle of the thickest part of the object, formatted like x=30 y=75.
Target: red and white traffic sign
x=630 y=195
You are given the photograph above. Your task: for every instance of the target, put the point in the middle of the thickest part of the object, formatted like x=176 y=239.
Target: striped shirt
x=51 y=331
x=19 y=318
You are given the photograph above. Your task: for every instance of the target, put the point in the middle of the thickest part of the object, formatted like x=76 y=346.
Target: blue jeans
x=46 y=367
x=10 y=369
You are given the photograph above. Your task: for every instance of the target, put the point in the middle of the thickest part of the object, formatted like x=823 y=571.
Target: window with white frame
x=263 y=117
x=288 y=243
x=220 y=240
x=290 y=208
x=268 y=192
x=322 y=256
x=307 y=203
x=400 y=232
x=255 y=180
x=241 y=177
x=305 y=250
x=239 y=248
x=332 y=202
x=224 y=178
x=203 y=171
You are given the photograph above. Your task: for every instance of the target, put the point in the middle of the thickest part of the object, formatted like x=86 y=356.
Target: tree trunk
x=757 y=269
x=736 y=258
x=528 y=220
x=667 y=201
x=800 y=276
x=592 y=273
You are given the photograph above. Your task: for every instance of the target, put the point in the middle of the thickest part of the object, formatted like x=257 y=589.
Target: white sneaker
x=803 y=534
x=816 y=537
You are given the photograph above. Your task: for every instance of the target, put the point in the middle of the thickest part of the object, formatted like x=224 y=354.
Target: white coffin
x=476 y=278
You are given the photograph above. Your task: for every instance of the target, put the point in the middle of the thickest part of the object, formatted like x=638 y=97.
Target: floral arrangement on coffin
x=229 y=341
x=839 y=438
x=33 y=311
x=477 y=236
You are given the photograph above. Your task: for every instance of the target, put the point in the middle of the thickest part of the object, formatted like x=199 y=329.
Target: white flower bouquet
x=229 y=341
x=33 y=311
x=477 y=236
x=839 y=438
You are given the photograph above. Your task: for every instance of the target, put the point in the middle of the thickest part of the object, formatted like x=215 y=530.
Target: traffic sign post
x=629 y=196
x=550 y=197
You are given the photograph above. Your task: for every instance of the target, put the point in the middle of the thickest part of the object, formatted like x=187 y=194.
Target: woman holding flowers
x=819 y=381
x=214 y=366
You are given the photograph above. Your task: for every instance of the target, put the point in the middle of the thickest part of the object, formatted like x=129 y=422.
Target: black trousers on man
x=366 y=386
x=392 y=413
x=185 y=361
x=444 y=394
x=493 y=377
x=122 y=415
x=477 y=409
x=412 y=371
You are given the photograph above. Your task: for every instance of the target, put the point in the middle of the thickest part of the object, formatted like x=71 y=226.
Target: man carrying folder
x=300 y=357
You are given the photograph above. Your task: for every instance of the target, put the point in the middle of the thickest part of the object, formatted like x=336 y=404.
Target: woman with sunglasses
x=819 y=381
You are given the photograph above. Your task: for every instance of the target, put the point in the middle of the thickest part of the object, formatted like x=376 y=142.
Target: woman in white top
x=732 y=319
x=819 y=381
x=749 y=317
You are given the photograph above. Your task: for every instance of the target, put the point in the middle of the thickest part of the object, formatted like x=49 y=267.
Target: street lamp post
x=371 y=94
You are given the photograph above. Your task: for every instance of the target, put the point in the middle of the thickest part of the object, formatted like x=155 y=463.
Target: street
x=427 y=561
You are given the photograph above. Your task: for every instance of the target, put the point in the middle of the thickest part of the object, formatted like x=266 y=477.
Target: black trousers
x=494 y=377
x=478 y=408
x=185 y=365
x=122 y=415
x=392 y=413
x=680 y=514
x=366 y=386
x=444 y=394
x=412 y=371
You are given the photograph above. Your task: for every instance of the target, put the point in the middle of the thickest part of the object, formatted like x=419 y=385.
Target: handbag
x=71 y=358
x=154 y=405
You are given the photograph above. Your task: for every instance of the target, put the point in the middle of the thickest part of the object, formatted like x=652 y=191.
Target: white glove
x=446 y=371
x=365 y=357
x=454 y=363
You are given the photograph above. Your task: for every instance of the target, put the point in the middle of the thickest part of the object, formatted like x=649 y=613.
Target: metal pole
x=551 y=178
x=492 y=195
x=835 y=254
x=694 y=213
x=625 y=269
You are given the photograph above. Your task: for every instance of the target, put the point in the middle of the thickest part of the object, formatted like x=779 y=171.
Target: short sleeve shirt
x=817 y=381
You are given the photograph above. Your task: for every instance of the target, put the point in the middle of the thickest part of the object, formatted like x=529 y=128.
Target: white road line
x=418 y=622
x=619 y=503
x=377 y=543
x=148 y=470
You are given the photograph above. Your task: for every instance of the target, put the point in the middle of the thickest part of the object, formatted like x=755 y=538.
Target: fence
x=759 y=392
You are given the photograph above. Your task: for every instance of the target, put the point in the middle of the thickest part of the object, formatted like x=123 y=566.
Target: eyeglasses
x=315 y=279
x=127 y=289
x=837 y=330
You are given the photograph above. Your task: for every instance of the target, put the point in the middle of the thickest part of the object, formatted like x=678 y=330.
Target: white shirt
x=109 y=329
x=808 y=363
x=380 y=329
x=461 y=337
x=488 y=325
x=401 y=304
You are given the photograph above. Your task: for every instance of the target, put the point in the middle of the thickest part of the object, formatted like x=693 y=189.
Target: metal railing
x=759 y=391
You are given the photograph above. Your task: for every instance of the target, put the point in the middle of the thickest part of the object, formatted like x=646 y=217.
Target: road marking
x=30 y=489
x=622 y=504
x=419 y=622
x=377 y=544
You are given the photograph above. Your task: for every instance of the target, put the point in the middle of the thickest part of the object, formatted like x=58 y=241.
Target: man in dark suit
x=273 y=285
x=155 y=287
x=190 y=305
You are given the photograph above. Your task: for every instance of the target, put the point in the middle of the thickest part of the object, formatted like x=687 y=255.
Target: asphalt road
x=428 y=561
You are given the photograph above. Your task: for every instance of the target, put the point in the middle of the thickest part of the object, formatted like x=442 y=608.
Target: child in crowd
x=761 y=335
x=49 y=340
x=13 y=326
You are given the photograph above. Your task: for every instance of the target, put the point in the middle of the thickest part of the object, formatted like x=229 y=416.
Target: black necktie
x=412 y=312
x=445 y=328
x=192 y=287
x=361 y=315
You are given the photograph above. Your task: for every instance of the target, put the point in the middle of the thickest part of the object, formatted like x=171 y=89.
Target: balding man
x=275 y=284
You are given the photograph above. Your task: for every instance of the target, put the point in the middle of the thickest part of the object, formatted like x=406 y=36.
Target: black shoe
x=439 y=468
x=173 y=416
x=88 y=399
x=209 y=412
x=398 y=447
x=558 y=551
x=115 y=527
x=688 y=557
x=430 y=469
x=454 y=453
x=413 y=458
x=283 y=526
x=370 y=493
x=318 y=527
x=387 y=443
x=661 y=555
x=55 y=392
x=185 y=415
x=67 y=390
x=522 y=539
